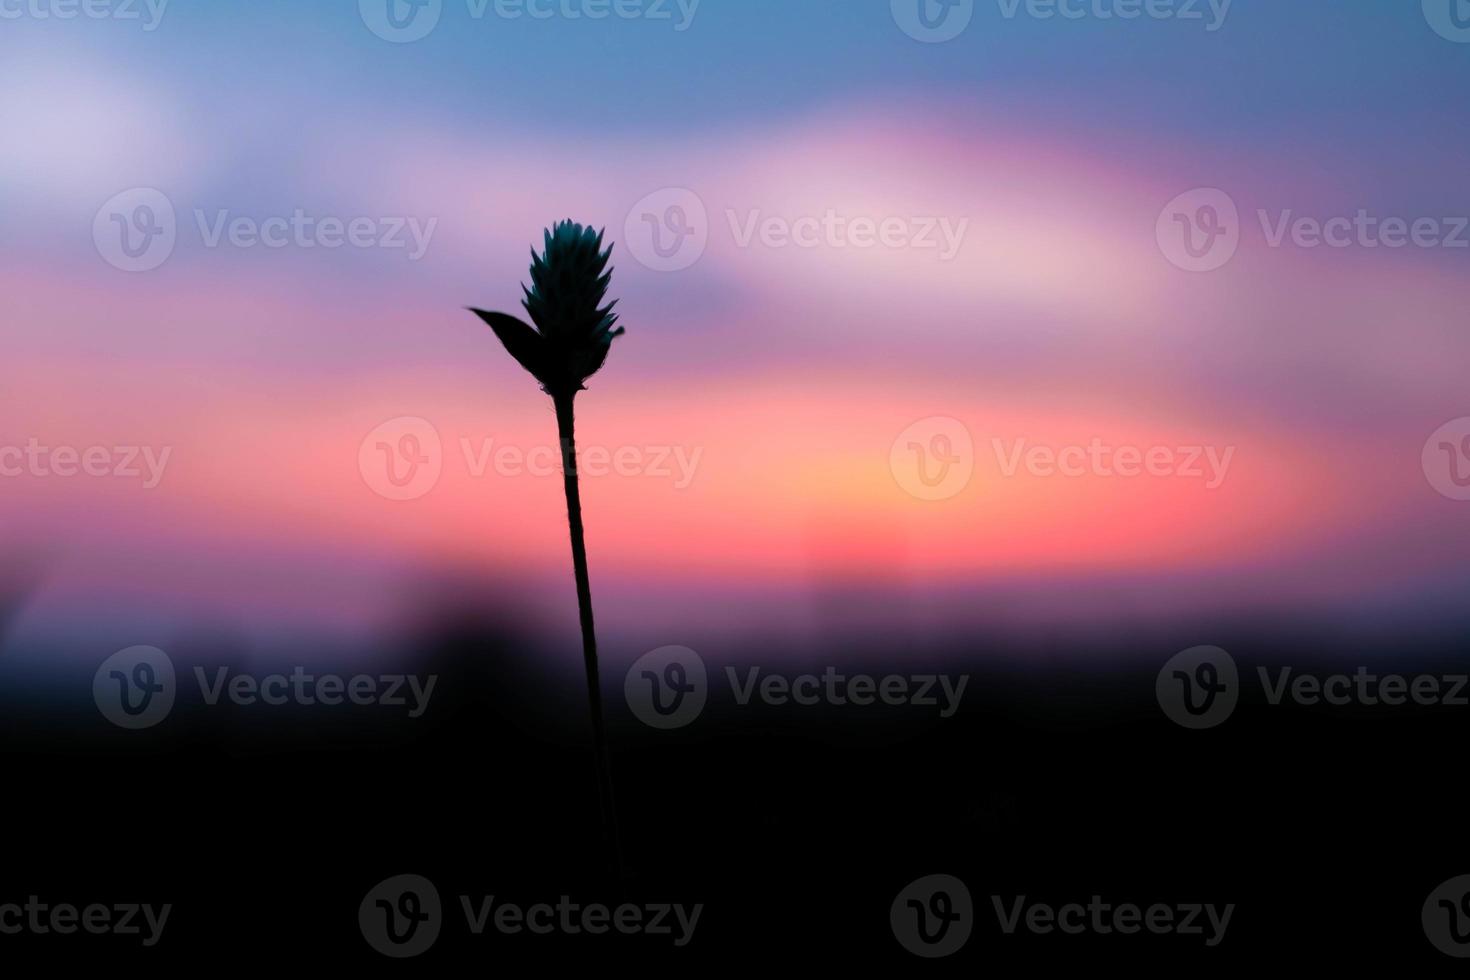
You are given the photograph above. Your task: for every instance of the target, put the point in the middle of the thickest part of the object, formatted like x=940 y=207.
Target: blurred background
x=854 y=240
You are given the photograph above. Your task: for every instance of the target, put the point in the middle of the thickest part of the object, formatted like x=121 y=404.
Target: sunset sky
x=780 y=375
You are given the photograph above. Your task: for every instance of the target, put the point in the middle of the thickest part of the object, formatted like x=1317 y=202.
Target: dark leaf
x=525 y=344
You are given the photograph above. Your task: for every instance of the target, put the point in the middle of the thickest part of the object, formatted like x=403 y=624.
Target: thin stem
x=566 y=428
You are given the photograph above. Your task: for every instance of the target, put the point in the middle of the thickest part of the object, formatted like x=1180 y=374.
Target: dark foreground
x=794 y=829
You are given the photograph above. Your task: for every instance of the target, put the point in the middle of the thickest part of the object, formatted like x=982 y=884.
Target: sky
x=914 y=332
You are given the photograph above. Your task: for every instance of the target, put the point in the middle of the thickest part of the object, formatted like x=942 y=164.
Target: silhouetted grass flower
x=573 y=330
x=569 y=343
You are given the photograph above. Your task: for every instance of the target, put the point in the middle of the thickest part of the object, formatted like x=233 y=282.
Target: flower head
x=573 y=331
